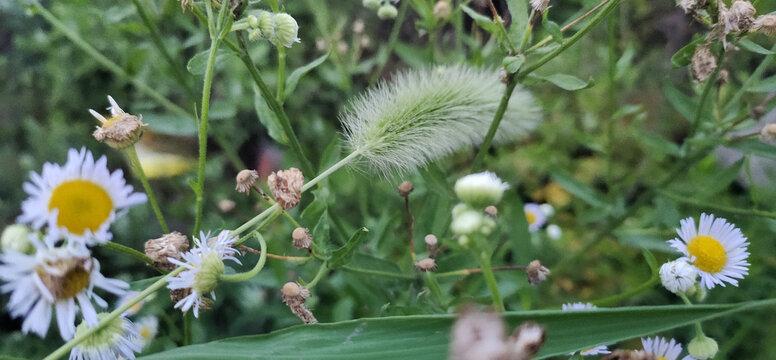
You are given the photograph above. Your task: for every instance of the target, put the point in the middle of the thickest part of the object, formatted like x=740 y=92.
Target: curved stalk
x=256 y=269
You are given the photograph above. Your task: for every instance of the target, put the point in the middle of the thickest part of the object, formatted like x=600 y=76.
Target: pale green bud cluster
x=279 y=28
x=206 y=279
x=16 y=238
x=702 y=347
x=385 y=10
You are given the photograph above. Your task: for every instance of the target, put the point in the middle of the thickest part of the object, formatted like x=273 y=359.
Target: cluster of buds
x=279 y=28
x=294 y=296
x=480 y=335
x=385 y=8
x=119 y=131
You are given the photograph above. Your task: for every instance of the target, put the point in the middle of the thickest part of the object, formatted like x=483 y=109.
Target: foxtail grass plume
x=423 y=115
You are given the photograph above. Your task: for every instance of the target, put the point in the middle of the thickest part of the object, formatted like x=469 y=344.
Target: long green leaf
x=293 y=79
x=428 y=336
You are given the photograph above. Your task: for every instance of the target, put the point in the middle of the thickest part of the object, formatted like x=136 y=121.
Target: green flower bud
x=206 y=279
x=387 y=11
x=15 y=238
x=266 y=25
x=253 y=21
x=702 y=347
x=371 y=4
x=254 y=34
x=285 y=31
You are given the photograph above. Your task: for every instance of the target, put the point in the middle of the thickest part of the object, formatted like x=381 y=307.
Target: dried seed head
x=286 y=186
x=740 y=17
x=442 y=9
x=405 y=188
x=629 y=355
x=431 y=240
x=690 y=6
x=301 y=238
x=427 y=264
x=766 y=24
x=536 y=272
x=170 y=245
x=120 y=130
x=491 y=211
x=526 y=341
x=540 y=5
x=703 y=63
x=477 y=335
x=294 y=296
x=245 y=180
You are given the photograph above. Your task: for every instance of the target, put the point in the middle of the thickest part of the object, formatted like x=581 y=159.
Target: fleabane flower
x=678 y=276
x=116 y=340
x=716 y=248
x=663 y=349
x=480 y=189
x=146 y=328
x=595 y=350
x=61 y=278
x=534 y=216
x=81 y=198
x=204 y=264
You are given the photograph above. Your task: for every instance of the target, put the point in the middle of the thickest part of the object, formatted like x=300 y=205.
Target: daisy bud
x=254 y=34
x=286 y=30
x=16 y=238
x=539 y=5
x=245 y=180
x=266 y=25
x=286 y=186
x=170 y=245
x=442 y=10
x=702 y=347
x=678 y=276
x=294 y=296
x=120 y=130
x=766 y=134
x=536 y=272
x=481 y=189
x=467 y=222
x=766 y=24
x=491 y=211
x=253 y=21
x=301 y=238
x=703 y=63
x=427 y=264
x=371 y=4
x=526 y=341
x=740 y=17
x=554 y=231
x=117 y=339
x=405 y=188
x=387 y=11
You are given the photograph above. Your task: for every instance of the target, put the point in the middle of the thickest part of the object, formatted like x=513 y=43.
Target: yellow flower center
x=83 y=205
x=709 y=253
x=530 y=217
x=75 y=278
x=145 y=333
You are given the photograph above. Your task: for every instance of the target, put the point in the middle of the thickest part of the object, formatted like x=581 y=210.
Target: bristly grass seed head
x=423 y=115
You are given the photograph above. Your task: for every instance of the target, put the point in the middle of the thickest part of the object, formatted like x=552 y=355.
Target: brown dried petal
x=766 y=24
x=120 y=131
x=286 y=186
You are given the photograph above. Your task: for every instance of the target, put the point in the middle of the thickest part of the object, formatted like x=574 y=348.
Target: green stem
x=256 y=269
x=64 y=349
x=187 y=333
x=388 y=49
x=377 y=273
x=132 y=152
x=755 y=76
x=162 y=48
x=256 y=219
x=105 y=62
x=710 y=82
x=433 y=285
x=215 y=41
x=318 y=276
x=274 y=105
x=654 y=280
x=281 y=74
x=490 y=278
x=502 y=108
x=130 y=252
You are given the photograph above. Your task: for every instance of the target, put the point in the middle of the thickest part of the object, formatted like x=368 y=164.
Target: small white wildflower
x=535 y=216
x=678 y=276
x=554 y=232
x=146 y=327
x=547 y=209
x=117 y=339
x=480 y=189
x=662 y=348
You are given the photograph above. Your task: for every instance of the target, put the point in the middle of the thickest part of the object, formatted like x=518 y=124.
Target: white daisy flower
x=663 y=349
x=82 y=197
x=204 y=264
x=717 y=249
x=147 y=328
x=678 y=276
x=480 y=189
x=116 y=340
x=596 y=350
x=61 y=278
x=535 y=216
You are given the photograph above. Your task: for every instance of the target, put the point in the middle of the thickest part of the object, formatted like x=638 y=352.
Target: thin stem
x=274 y=105
x=388 y=48
x=215 y=41
x=527 y=32
x=710 y=82
x=377 y=273
x=490 y=278
x=330 y=170
x=187 y=333
x=410 y=226
x=105 y=62
x=502 y=107
x=465 y=272
x=64 y=349
x=256 y=269
x=256 y=219
x=497 y=19
x=569 y=25
x=318 y=276
x=135 y=161
x=130 y=252
x=281 y=74
x=433 y=285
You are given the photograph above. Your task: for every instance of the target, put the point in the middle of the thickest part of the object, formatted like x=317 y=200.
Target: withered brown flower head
x=286 y=187
x=536 y=272
x=245 y=180
x=427 y=264
x=294 y=296
x=170 y=245
x=405 y=188
x=301 y=238
x=121 y=130
x=703 y=63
